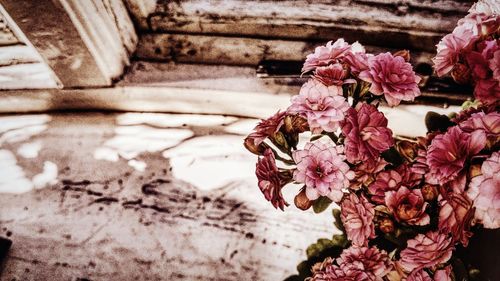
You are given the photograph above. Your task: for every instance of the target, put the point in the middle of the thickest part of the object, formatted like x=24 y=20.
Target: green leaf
x=317 y=248
x=340 y=240
x=321 y=204
x=338 y=221
x=437 y=122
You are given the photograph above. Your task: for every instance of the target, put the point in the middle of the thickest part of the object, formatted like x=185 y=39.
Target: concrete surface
x=131 y=196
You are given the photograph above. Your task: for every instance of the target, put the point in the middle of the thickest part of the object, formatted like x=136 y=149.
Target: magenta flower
x=419 y=275
x=426 y=250
x=408 y=206
x=323 y=106
x=449 y=49
x=373 y=262
x=484 y=190
x=333 y=75
x=392 y=180
x=489 y=123
x=448 y=152
x=487 y=90
x=267 y=128
x=321 y=167
x=494 y=64
x=366 y=133
x=270 y=182
x=367 y=171
x=455 y=216
x=392 y=77
x=327 y=271
x=357 y=216
x=325 y=55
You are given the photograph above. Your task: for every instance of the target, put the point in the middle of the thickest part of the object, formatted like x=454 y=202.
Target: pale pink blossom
x=373 y=262
x=322 y=106
x=327 y=271
x=392 y=77
x=333 y=75
x=325 y=55
x=489 y=123
x=426 y=250
x=455 y=216
x=366 y=133
x=408 y=206
x=449 y=49
x=270 y=182
x=488 y=7
x=357 y=216
x=357 y=59
x=321 y=167
x=484 y=190
x=443 y=274
x=480 y=24
x=391 y=180
x=448 y=153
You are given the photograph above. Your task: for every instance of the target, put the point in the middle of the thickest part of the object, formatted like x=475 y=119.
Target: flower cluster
x=418 y=199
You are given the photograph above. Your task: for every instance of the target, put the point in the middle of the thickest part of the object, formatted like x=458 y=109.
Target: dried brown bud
x=295 y=124
x=301 y=201
x=461 y=74
x=475 y=170
x=405 y=54
x=407 y=149
x=249 y=144
x=429 y=192
x=386 y=225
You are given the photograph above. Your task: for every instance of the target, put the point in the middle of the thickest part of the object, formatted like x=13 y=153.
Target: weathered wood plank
x=140 y=10
x=7 y=37
x=402 y=24
x=231 y=50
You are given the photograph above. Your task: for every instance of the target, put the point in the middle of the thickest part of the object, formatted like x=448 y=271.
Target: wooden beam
x=86 y=43
x=411 y=24
x=7 y=37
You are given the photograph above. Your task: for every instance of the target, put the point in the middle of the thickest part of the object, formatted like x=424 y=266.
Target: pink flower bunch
x=321 y=167
x=426 y=251
x=472 y=54
x=357 y=215
x=270 y=180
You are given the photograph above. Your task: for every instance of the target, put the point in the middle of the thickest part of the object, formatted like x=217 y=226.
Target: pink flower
x=419 y=275
x=484 y=190
x=408 y=206
x=487 y=91
x=321 y=166
x=321 y=105
x=333 y=75
x=367 y=171
x=494 y=64
x=426 y=250
x=325 y=55
x=448 y=152
x=392 y=180
x=489 y=123
x=455 y=216
x=357 y=216
x=270 y=182
x=443 y=274
x=373 y=262
x=392 y=77
x=479 y=24
x=327 y=271
x=267 y=128
x=449 y=49
x=366 y=133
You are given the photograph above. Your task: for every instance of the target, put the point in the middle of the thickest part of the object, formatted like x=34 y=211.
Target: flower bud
x=295 y=124
x=249 y=144
x=461 y=74
x=280 y=141
x=475 y=170
x=407 y=149
x=405 y=54
x=429 y=192
x=386 y=225
x=301 y=201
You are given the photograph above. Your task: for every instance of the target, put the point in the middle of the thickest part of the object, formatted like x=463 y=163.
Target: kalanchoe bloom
x=333 y=75
x=392 y=77
x=408 y=206
x=487 y=90
x=392 y=180
x=323 y=106
x=366 y=133
x=321 y=167
x=449 y=48
x=267 y=128
x=494 y=64
x=455 y=216
x=487 y=7
x=484 y=190
x=270 y=181
x=443 y=274
x=448 y=153
x=357 y=216
x=357 y=60
x=327 y=271
x=426 y=250
x=489 y=123
x=325 y=55
x=419 y=275
x=372 y=261
x=367 y=171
